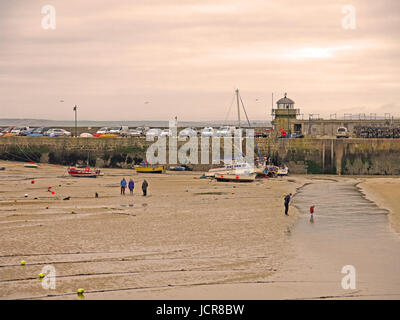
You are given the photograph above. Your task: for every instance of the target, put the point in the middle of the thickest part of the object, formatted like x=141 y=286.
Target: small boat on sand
x=235 y=177
x=183 y=167
x=150 y=169
x=84 y=172
x=31 y=165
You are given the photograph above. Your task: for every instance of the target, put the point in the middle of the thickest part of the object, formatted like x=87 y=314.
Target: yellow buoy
x=41 y=275
x=81 y=291
x=23 y=262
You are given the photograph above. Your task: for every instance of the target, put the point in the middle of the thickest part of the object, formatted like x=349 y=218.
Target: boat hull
x=83 y=173
x=31 y=165
x=177 y=168
x=235 y=177
x=160 y=169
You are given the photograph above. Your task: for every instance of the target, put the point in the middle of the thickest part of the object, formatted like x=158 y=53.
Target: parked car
x=207 y=132
x=103 y=130
x=188 y=132
x=225 y=131
x=28 y=131
x=18 y=131
x=121 y=130
x=56 y=132
x=342 y=132
x=166 y=133
x=153 y=132
x=143 y=129
x=38 y=132
x=7 y=130
x=135 y=133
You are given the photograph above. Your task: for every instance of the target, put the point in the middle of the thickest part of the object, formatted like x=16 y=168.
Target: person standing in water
x=123 y=186
x=287 y=201
x=144 y=187
x=312 y=214
x=131 y=186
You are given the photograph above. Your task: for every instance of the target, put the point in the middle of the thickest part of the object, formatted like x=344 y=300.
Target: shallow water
x=348 y=229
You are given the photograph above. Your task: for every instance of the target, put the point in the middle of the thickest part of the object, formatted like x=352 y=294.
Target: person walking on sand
x=144 y=187
x=123 y=186
x=312 y=213
x=287 y=201
x=131 y=186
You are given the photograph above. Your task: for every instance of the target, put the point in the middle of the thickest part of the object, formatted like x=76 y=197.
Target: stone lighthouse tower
x=284 y=113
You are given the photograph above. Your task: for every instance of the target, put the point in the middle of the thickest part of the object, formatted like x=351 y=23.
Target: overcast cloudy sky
x=154 y=59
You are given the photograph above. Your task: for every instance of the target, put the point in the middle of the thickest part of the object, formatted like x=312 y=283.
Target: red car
x=7 y=130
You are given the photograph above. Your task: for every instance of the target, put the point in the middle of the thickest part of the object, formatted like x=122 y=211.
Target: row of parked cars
x=223 y=131
x=124 y=131
x=34 y=132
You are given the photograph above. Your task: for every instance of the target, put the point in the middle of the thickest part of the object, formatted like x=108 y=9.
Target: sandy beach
x=193 y=238
x=384 y=192
x=187 y=232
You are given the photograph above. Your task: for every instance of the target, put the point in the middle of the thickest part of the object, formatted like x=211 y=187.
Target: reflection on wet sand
x=191 y=238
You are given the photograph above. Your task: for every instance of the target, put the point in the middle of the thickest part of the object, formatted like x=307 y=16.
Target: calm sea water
x=347 y=229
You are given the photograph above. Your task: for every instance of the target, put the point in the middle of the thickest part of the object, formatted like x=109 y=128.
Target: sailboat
x=238 y=169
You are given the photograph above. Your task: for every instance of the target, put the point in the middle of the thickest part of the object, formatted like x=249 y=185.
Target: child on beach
x=312 y=213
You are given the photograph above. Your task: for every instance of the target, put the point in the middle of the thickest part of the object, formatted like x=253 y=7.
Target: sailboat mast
x=238 y=106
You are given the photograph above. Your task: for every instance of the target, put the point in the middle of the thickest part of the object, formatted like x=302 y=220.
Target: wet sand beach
x=187 y=232
x=348 y=230
x=385 y=192
x=193 y=238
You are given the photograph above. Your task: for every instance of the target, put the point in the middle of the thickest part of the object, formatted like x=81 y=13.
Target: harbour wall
x=308 y=155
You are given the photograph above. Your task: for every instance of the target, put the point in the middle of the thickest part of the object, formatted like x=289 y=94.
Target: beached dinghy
x=150 y=169
x=31 y=165
x=183 y=167
x=235 y=177
x=84 y=172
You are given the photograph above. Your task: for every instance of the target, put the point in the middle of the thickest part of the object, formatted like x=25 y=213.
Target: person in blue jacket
x=131 y=186
x=123 y=186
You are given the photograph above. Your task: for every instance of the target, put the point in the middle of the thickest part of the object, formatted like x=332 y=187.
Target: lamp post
x=76 y=120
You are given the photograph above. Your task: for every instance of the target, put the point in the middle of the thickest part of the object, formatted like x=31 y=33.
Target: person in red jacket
x=312 y=213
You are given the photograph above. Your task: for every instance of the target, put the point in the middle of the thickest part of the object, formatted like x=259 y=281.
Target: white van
x=342 y=132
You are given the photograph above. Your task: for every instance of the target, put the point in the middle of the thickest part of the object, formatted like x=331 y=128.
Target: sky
x=157 y=59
